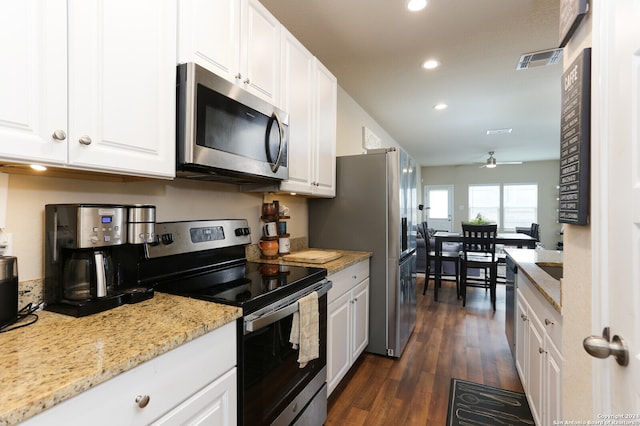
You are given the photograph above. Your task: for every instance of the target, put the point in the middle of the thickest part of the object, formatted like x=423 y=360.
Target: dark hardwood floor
x=448 y=341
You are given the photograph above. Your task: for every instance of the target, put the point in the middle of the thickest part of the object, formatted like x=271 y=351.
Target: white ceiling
x=375 y=48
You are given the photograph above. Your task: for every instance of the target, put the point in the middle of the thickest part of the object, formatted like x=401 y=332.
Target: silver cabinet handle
x=238 y=76
x=143 y=400
x=542 y=351
x=247 y=81
x=59 y=135
x=547 y=321
x=524 y=317
x=85 y=140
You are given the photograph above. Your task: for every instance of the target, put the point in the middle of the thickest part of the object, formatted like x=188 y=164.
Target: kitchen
x=176 y=200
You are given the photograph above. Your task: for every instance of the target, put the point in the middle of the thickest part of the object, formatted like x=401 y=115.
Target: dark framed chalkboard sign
x=575 y=138
x=571 y=14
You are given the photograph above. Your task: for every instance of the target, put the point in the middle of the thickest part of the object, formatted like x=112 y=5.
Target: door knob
x=601 y=347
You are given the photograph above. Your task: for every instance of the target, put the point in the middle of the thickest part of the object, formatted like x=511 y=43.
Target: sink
x=554 y=269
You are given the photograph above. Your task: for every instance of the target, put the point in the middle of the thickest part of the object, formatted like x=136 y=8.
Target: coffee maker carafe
x=81 y=277
x=88 y=274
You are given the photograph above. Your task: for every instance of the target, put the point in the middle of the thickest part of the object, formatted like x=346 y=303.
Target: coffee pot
x=88 y=274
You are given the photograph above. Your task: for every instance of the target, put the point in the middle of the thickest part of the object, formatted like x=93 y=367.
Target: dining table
x=508 y=239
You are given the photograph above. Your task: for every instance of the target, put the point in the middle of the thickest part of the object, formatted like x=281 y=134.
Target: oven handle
x=268 y=319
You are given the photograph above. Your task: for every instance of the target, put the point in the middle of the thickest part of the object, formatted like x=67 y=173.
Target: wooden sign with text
x=575 y=141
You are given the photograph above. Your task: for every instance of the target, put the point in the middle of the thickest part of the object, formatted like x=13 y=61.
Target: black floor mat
x=472 y=404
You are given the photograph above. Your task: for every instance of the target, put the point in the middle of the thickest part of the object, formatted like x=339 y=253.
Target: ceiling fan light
x=416 y=5
x=491 y=162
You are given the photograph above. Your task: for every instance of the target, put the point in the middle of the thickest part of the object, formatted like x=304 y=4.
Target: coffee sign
x=575 y=141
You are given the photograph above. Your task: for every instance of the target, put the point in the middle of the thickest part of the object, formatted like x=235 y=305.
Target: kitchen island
x=59 y=356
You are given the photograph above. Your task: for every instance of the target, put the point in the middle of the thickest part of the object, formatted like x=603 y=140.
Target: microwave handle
x=276 y=165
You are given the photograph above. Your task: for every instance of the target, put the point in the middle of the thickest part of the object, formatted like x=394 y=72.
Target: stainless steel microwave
x=225 y=133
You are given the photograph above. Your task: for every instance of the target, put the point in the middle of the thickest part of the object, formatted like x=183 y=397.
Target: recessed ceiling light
x=440 y=106
x=416 y=5
x=38 y=167
x=499 y=131
x=430 y=64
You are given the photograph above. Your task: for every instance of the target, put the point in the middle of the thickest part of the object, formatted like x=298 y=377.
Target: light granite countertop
x=549 y=287
x=61 y=356
x=347 y=259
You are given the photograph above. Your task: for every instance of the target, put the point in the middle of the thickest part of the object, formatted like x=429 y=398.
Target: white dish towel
x=305 y=329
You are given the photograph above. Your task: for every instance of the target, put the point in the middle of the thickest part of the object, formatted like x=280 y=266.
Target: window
x=508 y=205
x=520 y=205
x=485 y=200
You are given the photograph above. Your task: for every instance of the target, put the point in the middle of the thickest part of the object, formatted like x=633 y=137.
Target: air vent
x=539 y=59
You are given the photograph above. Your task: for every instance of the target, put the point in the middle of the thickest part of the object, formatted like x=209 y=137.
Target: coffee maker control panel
x=101 y=226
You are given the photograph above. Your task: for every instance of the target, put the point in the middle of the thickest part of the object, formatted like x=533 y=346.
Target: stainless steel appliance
x=8 y=290
x=206 y=260
x=225 y=133
x=86 y=256
x=375 y=210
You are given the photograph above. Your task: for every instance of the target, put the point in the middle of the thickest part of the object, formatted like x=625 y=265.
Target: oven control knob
x=242 y=231
x=167 y=239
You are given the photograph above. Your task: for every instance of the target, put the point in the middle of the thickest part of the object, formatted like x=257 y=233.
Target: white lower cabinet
x=347 y=321
x=195 y=383
x=538 y=352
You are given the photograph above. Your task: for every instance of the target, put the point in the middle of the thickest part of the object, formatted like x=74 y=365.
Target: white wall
x=577 y=392
x=544 y=173
x=351 y=119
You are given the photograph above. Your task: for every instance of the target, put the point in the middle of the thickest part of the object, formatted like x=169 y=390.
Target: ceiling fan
x=491 y=162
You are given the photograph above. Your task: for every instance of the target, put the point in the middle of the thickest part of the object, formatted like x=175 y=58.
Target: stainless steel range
x=206 y=260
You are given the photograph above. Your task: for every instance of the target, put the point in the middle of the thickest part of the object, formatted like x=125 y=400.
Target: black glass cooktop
x=248 y=285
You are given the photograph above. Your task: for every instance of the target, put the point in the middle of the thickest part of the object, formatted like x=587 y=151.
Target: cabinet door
x=522 y=339
x=553 y=378
x=360 y=304
x=338 y=340
x=33 y=80
x=122 y=86
x=325 y=148
x=297 y=100
x=535 y=368
x=260 y=52
x=213 y=405
x=209 y=35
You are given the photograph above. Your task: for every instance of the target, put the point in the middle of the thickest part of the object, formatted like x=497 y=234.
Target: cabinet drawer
x=343 y=281
x=167 y=380
x=550 y=319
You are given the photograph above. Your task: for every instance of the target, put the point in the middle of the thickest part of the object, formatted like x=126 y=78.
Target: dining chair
x=445 y=256
x=479 y=251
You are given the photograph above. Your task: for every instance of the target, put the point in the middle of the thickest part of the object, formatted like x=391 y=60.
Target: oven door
x=275 y=390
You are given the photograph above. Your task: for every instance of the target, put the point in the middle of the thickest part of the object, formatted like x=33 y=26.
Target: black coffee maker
x=86 y=252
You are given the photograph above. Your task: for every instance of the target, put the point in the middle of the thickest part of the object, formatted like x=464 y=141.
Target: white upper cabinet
x=309 y=94
x=238 y=40
x=33 y=81
x=325 y=132
x=298 y=77
x=113 y=108
x=122 y=86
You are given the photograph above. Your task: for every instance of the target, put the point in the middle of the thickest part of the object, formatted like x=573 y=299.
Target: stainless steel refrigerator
x=375 y=210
